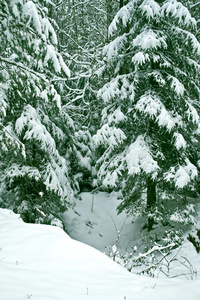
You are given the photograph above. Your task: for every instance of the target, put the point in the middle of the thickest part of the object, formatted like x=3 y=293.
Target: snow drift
x=42 y=262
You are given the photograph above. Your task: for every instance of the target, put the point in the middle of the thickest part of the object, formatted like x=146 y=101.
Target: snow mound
x=41 y=262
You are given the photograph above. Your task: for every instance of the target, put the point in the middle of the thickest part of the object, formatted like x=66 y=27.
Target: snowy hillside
x=42 y=262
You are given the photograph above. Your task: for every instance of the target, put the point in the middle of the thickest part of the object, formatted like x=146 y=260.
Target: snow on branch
x=35 y=129
x=64 y=66
x=110 y=136
x=179 y=141
x=109 y=90
x=124 y=14
x=176 y=85
x=155 y=248
x=140 y=58
x=117 y=87
x=113 y=48
x=111 y=169
x=150 y=8
x=49 y=31
x=139 y=159
x=190 y=39
x=20 y=171
x=194 y=5
x=29 y=9
x=15 y=5
x=111 y=178
x=181 y=175
x=11 y=140
x=166 y=120
x=51 y=56
x=55 y=178
x=56 y=59
x=178 y=11
x=135 y=159
x=20 y=66
x=149 y=104
x=184 y=216
x=192 y=113
x=193 y=63
x=3 y=98
x=56 y=131
x=116 y=117
x=150 y=39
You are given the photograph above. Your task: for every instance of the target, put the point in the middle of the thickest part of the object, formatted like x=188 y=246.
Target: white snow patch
x=112 y=49
x=43 y=262
x=150 y=8
x=49 y=31
x=140 y=58
x=178 y=11
x=165 y=119
x=179 y=141
x=182 y=175
x=29 y=9
x=149 y=104
x=51 y=55
x=177 y=86
x=139 y=158
x=116 y=117
x=109 y=135
x=192 y=113
x=124 y=14
x=150 y=39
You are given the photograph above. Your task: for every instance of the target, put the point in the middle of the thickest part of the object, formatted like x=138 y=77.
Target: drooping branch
x=11 y=135
x=20 y=66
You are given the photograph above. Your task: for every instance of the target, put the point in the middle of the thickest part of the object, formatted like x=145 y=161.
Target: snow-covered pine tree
x=150 y=122
x=35 y=176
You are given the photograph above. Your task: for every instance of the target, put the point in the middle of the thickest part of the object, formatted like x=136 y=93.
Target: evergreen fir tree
x=35 y=173
x=150 y=122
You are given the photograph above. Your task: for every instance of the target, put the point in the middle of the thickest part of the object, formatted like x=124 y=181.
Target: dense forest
x=100 y=95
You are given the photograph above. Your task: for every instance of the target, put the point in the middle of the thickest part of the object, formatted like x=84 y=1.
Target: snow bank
x=41 y=262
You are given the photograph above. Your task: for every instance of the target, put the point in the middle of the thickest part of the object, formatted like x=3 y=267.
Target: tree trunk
x=108 y=17
x=75 y=22
x=151 y=200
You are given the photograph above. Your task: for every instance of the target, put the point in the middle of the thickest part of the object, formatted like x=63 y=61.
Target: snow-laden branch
x=155 y=248
x=194 y=5
x=20 y=144
x=20 y=66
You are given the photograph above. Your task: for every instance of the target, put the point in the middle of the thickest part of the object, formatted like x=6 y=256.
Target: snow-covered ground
x=95 y=222
x=41 y=262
